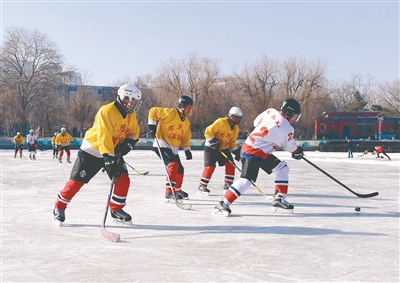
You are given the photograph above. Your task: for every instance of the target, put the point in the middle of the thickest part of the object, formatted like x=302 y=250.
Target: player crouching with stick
x=272 y=129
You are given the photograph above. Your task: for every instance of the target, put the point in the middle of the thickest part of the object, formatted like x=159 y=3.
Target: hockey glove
x=214 y=143
x=152 y=131
x=188 y=155
x=111 y=166
x=125 y=147
x=236 y=152
x=298 y=153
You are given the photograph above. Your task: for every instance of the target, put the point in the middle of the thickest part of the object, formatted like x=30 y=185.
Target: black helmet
x=184 y=100
x=290 y=108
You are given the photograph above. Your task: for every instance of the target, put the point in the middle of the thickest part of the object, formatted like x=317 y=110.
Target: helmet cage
x=235 y=115
x=130 y=98
x=291 y=110
x=184 y=101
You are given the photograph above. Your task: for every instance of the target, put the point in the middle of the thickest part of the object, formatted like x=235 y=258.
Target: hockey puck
x=357 y=209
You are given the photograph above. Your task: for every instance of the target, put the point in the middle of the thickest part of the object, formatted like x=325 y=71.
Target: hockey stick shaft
x=178 y=204
x=113 y=237
x=234 y=164
x=340 y=183
x=145 y=173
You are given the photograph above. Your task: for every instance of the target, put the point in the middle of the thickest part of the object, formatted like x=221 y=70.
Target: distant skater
x=379 y=149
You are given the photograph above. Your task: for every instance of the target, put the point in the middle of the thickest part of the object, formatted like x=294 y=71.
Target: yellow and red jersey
x=53 y=140
x=222 y=130
x=19 y=140
x=64 y=139
x=109 y=129
x=172 y=132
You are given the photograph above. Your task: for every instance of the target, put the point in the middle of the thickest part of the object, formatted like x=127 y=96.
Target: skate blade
x=128 y=223
x=219 y=212
x=203 y=193
x=172 y=201
x=280 y=210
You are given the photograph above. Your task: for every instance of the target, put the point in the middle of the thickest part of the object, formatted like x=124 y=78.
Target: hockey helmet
x=291 y=109
x=130 y=98
x=184 y=101
x=235 y=115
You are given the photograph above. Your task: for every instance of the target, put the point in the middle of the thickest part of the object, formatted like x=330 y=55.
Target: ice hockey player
x=272 y=129
x=55 y=148
x=172 y=131
x=32 y=141
x=221 y=135
x=18 y=142
x=63 y=141
x=379 y=149
x=114 y=133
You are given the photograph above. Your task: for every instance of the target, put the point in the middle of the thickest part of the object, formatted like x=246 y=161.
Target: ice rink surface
x=325 y=240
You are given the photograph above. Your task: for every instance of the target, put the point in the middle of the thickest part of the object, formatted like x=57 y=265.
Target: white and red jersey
x=31 y=139
x=271 y=131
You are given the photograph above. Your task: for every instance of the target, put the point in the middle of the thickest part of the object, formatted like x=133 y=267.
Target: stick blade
x=113 y=237
x=145 y=173
x=367 y=195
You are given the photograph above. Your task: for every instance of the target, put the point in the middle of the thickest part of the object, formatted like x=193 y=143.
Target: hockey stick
x=144 y=173
x=113 y=237
x=234 y=164
x=179 y=203
x=343 y=185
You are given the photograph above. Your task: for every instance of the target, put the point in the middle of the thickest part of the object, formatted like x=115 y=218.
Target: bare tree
x=259 y=83
x=192 y=76
x=30 y=63
x=352 y=95
x=388 y=95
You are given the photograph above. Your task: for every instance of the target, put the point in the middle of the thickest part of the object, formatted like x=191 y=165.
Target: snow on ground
x=326 y=240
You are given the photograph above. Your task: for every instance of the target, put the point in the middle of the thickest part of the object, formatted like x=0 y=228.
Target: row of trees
x=34 y=92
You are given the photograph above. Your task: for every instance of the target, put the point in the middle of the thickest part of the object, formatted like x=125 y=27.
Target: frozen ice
x=325 y=240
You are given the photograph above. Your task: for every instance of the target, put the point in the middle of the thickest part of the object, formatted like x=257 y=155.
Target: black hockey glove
x=214 y=143
x=236 y=152
x=111 y=166
x=152 y=131
x=125 y=146
x=188 y=155
x=298 y=153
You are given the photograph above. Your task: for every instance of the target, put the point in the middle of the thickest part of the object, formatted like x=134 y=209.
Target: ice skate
x=68 y=160
x=222 y=209
x=58 y=216
x=202 y=190
x=170 y=198
x=183 y=194
x=59 y=160
x=280 y=205
x=121 y=216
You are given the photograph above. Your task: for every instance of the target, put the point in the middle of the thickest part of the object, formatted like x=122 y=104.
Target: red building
x=356 y=125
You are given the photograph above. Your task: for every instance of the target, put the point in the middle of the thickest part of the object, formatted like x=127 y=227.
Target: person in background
x=18 y=142
x=55 y=148
x=171 y=128
x=63 y=141
x=221 y=135
x=272 y=129
x=32 y=141
x=378 y=150
x=350 y=147
x=114 y=133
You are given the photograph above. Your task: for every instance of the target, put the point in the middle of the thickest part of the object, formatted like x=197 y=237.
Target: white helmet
x=18 y=133
x=55 y=133
x=236 y=112
x=130 y=98
x=63 y=130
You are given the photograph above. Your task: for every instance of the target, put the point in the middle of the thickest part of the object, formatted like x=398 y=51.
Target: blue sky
x=113 y=40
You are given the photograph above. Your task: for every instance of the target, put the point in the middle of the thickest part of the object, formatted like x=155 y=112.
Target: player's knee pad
x=281 y=170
